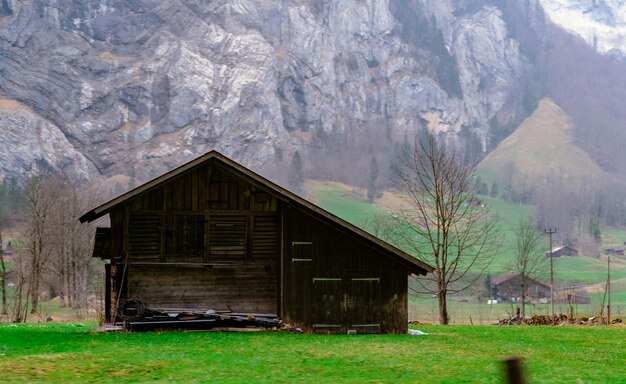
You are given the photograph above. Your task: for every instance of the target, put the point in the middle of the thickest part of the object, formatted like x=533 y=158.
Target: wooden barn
x=508 y=288
x=213 y=235
x=562 y=251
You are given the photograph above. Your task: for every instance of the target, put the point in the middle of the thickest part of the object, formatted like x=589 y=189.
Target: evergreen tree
x=296 y=173
x=3 y=198
x=488 y=286
x=484 y=189
x=118 y=189
x=494 y=190
x=481 y=186
x=372 y=189
x=132 y=182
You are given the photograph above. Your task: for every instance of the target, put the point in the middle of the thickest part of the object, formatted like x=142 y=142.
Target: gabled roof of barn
x=497 y=280
x=561 y=248
x=413 y=264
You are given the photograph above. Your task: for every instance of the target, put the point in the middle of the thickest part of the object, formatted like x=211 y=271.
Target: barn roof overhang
x=412 y=264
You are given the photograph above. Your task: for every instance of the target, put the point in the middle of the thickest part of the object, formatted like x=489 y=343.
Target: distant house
x=213 y=235
x=508 y=288
x=616 y=251
x=562 y=251
x=474 y=202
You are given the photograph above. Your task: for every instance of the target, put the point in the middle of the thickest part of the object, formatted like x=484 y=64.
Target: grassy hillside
x=542 y=143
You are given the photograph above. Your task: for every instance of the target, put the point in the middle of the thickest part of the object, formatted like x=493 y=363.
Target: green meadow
x=66 y=353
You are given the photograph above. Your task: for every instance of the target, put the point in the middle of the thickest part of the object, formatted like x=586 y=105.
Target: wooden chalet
x=508 y=288
x=614 y=251
x=562 y=251
x=212 y=234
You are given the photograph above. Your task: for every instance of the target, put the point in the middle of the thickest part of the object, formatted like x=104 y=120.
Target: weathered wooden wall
x=334 y=282
x=248 y=287
x=205 y=239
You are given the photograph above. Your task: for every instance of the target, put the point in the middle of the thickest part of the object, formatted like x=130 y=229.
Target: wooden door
x=363 y=312
x=340 y=304
x=328 y=304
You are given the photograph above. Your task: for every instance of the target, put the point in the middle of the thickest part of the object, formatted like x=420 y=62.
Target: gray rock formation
x=101 y=84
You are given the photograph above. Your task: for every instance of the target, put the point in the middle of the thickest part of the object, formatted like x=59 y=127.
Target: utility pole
x=608 y=290
x=549 y=232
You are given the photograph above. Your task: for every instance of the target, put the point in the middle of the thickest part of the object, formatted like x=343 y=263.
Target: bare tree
x=40 y=195
x=530 y=261
x=442 y=224
x=3 y=264
x=21 y=263
x=73 y=244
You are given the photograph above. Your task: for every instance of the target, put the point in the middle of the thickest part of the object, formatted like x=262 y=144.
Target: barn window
x=265 y=243
x=144 y=236
x=184 y=236
x=227 y=237
x=198 y=237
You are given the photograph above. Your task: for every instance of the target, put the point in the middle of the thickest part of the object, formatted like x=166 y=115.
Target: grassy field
x=449 y=354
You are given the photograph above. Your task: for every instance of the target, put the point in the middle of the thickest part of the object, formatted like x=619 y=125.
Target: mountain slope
x=543 y=144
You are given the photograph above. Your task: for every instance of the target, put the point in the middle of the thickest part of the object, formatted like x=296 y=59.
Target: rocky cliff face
x=89 y=87
x=601 y=23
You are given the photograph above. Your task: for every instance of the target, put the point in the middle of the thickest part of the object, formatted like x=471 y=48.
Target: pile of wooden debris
x=136 y=316
x=555 y=320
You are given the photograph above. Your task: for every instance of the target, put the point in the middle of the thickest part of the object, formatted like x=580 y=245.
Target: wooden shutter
x=265 y=236
x=144 y=236
x=227 y=237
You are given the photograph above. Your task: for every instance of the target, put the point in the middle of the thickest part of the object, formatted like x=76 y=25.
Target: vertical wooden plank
x=194 y=190
x=122 y=293
x=167 y=196
x=107 y=293
x=287 y=285
x=150 y=199
x=281 y=260
x=224 y=195
x=158 y=199
x=246 y=191
x=188 y=192
x=162 y=243
x=179 y=193
x=273 y=204
x=207 y=233
x=233 y=186
x=249 y=235
x=214 y=189
x=202 y=195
